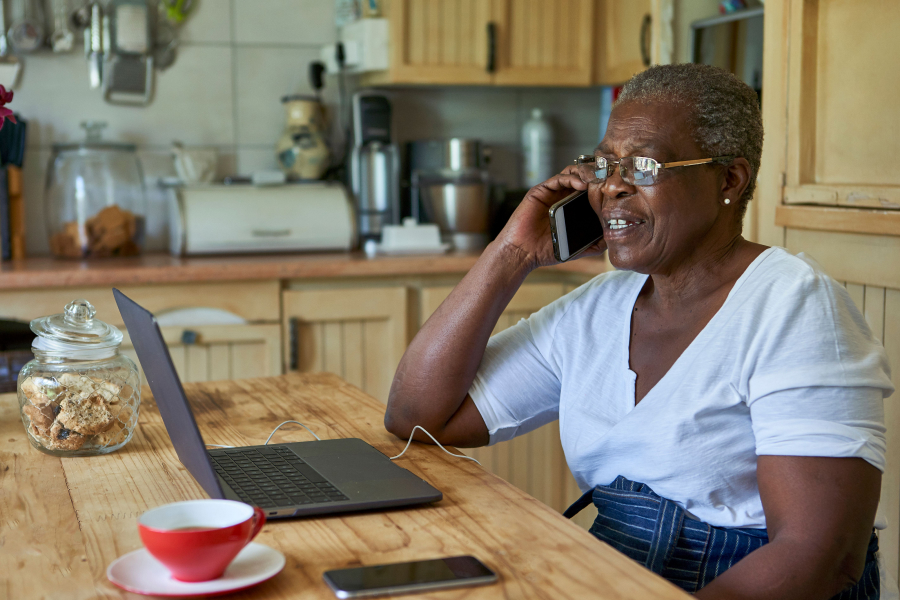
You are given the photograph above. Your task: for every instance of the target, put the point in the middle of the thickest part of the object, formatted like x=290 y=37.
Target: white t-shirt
x=787 y=366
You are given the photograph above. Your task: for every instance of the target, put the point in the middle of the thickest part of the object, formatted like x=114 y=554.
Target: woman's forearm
x=785 y=570
x=438 y=368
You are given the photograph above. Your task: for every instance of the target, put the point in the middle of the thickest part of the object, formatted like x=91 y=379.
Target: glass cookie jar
x=79 y=396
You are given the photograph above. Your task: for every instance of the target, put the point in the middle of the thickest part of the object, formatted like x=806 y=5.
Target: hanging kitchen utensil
x=177 y=10
x=62 y=39
x=128 y=69
x=10 y=67
x=27 y=31
x=165 y=48
x=93 y=44
x=80 y=18
x=172 y=14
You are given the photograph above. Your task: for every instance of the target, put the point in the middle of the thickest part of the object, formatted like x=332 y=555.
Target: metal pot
x=457 y=154
x=459 y=202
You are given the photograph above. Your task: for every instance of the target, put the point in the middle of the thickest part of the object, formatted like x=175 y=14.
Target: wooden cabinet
x=625 y=46
x=515 y=42
x=827 y=183
x=357 y=333
x=213 y=352
x=357 y=327
x=438 y=42
x=841 y=134
x=216 y=352
x=544 y=43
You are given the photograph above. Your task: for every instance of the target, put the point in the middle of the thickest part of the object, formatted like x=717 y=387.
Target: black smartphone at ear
x=403 y=578
x=574 y=225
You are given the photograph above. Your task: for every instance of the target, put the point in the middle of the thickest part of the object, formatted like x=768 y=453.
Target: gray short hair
x=724 y=110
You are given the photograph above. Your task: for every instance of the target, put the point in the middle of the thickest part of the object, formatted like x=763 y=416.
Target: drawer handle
x=646 y=24
x=492 y=47
x=271 y=232
x=294 y=360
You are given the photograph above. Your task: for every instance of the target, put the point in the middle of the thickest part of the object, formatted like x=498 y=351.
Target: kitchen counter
x=163 y=268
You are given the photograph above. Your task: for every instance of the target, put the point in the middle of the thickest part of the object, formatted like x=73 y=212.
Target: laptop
x=286 y=480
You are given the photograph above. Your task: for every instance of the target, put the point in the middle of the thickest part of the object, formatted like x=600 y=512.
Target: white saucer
x=140 y=573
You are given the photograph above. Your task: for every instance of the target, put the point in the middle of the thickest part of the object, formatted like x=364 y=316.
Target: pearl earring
x=727 y=201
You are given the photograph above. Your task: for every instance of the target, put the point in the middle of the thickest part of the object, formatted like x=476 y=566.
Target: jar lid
x=294 y=97
x=76 y=325
x=94 y=141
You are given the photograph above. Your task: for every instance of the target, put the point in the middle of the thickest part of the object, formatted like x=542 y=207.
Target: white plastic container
x=537 y=146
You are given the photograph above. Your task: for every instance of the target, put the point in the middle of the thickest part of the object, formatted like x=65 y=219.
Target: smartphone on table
x=574 y=225
x=402 y=578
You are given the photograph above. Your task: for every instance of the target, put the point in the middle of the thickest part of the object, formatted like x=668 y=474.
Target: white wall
x=495 y=115
x=237 y=59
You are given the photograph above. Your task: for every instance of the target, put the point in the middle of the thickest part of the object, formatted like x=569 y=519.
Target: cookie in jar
x=79 y=396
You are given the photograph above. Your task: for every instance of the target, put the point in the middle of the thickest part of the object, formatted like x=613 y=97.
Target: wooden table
x=62 y=521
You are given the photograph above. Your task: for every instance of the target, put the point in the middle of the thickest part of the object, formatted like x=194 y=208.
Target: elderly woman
x=719 y=401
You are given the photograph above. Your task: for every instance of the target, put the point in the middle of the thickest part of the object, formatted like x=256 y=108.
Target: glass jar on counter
x=95 y=198
x=79 y=396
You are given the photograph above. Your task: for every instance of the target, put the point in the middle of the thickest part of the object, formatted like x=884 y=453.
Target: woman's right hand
x=528 y=229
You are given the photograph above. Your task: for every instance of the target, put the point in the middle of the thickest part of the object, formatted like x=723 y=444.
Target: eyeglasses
x=634 y=170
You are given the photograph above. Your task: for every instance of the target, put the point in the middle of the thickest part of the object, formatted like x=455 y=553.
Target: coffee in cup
x=196 y=540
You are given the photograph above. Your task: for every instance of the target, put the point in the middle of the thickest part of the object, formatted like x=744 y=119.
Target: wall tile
x=264 y=76
x=489 y=114
x=210 y=23
x=565 y=154
x=255 y=158
x=506 y=165
x=574 y=113
x=193 y=101
x=298 y=22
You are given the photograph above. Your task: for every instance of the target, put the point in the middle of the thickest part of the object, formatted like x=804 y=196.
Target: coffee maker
x=374 y=166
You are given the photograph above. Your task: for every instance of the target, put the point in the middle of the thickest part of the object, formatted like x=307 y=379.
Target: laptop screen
x=168 y=393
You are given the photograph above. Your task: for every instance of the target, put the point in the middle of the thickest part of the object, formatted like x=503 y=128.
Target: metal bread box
x=217 y=219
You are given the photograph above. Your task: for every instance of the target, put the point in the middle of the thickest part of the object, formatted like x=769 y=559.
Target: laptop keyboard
x=271 y=477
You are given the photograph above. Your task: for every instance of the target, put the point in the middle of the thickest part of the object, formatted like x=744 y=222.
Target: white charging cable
x=432 y=439
x=392 y=458
x=285 y=423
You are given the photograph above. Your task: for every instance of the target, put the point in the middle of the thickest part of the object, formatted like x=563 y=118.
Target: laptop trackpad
x=371 y=477
x=355 y=467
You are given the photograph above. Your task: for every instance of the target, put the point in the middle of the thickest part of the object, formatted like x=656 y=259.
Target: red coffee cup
x=197 y=540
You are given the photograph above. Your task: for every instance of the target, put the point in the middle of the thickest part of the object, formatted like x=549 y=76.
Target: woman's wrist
x=509 y=259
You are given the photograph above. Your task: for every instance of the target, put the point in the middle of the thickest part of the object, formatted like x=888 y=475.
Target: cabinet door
x=832 y=138
x=623 y=31
x=439 y=42
x=534 y=462
x=358 y=334
x=214 y=352
x=544 y=43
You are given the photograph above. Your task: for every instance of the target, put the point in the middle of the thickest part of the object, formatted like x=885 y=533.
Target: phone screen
x=576 y=225
x=441 y=572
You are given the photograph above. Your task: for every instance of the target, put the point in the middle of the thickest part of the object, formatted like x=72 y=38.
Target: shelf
x=846 y=220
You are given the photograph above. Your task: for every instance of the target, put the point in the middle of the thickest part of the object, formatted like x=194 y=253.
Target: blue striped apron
x=658 y=534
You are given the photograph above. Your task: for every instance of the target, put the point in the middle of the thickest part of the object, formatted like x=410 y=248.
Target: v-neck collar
x=686 y=356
